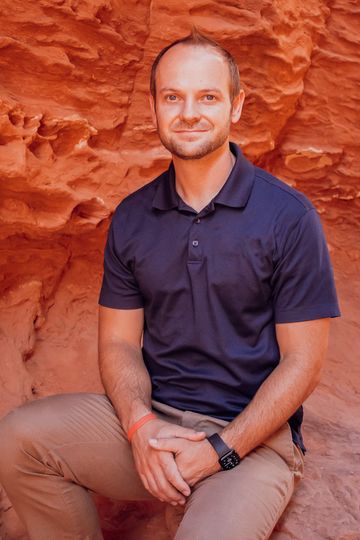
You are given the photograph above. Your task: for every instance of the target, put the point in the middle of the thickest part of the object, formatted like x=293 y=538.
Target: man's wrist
x=210 y=457
x=133 y=414
x=139 y=423
x=228 y=458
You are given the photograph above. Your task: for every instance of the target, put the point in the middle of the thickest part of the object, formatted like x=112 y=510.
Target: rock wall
x=76 y=137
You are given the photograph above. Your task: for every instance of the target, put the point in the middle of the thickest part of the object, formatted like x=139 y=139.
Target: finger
x=153 y=486
x=150 y=485
x=166 y=490
x=151 y=489
x=188 y=433
x=196 y=436
x=145 y=482
x=169 y=445
x=173 y=475
x=155 y=482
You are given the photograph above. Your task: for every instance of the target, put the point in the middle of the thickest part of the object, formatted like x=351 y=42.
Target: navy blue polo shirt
x=214 y=283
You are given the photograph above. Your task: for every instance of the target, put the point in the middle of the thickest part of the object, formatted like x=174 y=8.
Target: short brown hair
x=198 y=39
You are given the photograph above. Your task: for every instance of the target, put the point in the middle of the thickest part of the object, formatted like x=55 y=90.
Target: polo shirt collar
x=235 y=192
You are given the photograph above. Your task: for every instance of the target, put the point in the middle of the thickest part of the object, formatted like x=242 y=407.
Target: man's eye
x=171 y=97
x=209 y=97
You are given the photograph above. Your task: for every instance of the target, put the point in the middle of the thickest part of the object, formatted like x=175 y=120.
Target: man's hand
x=158 y=470
x=195 y=459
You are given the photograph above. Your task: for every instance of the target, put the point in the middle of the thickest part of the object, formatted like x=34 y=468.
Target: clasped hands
x=170 y=459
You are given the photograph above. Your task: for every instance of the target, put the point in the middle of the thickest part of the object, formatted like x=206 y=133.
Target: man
x=213 y=327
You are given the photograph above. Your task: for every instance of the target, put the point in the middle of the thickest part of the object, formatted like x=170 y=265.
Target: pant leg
x=246 y=502
x=53 y=451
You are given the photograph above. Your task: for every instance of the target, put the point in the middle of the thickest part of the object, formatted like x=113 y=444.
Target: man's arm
x=303 y=347
x=128 y=386
x=122 y=370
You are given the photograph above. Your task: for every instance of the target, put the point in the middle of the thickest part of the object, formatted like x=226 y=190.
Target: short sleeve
x=303 y=285
x=119 y=288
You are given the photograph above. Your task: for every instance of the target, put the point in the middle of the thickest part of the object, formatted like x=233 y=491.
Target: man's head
x=195 y=96
x=196 y=39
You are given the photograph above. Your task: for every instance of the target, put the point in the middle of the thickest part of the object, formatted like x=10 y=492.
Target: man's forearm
x=276 y=400
x=126 y=380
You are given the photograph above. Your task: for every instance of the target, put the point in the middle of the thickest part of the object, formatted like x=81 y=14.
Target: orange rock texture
x=76 y=137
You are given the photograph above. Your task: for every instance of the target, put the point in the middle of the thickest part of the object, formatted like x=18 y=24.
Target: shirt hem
x=314 y=312
x=123 y=304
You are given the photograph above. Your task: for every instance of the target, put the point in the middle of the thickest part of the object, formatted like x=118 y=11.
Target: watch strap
x=218 y=444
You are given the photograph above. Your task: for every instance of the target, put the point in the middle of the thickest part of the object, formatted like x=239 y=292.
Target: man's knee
x=19 y=431
x=9 y=443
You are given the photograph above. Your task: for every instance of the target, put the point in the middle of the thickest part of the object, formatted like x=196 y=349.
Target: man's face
x=193 y=111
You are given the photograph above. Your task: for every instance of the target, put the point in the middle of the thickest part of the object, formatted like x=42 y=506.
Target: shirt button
x=195 y=243
x=198 y=220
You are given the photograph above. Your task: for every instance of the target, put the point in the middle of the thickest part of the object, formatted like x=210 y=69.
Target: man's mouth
x=190 y=130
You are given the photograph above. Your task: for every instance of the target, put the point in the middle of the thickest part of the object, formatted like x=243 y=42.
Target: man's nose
x=189 y=111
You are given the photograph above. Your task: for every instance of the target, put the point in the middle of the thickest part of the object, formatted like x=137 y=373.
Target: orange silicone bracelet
x=139 y=423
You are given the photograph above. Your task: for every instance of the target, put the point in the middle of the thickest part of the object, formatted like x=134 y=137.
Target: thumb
x=190 y=434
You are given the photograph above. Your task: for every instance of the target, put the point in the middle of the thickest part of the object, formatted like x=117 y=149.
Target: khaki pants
x=57 y=449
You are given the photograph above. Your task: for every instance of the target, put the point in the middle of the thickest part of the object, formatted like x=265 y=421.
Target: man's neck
x=199 y=180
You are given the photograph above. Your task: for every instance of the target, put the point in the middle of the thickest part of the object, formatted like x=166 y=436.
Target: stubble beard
x=200 y=150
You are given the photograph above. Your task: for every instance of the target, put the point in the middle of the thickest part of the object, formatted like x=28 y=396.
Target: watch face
x=230 y=460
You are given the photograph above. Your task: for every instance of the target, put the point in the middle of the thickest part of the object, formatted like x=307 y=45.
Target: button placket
x=195 y=252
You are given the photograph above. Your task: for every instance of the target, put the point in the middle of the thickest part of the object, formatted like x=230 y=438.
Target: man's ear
x=237 y=106
x=153 y=110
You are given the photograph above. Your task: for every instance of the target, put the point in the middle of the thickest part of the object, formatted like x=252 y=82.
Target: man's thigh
x=246 y=502
x=79 y=437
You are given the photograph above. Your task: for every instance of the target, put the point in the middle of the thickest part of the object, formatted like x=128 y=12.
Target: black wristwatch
x=228 y=458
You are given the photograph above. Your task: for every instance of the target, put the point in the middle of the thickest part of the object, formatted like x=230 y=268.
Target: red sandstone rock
x=76 y=137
